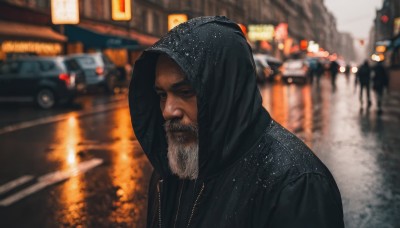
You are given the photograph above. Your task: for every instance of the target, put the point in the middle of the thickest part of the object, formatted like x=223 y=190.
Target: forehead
x=168 y=71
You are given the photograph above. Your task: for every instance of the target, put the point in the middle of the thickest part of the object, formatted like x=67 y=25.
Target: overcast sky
x=354 y=16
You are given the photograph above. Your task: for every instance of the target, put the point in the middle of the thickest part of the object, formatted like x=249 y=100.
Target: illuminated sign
x=31 y=47
x=396 y=29
x=261 y=32
x=313 y=47
x=380 y=49
x=303 y=45
x=121 y=10
x=65 y=11
x=287 y=47
x=281 y=31
x=175 y=20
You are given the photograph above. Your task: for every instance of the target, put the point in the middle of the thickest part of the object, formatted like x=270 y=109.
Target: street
x=88 y=170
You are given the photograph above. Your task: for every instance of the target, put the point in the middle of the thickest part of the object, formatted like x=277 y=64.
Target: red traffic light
x=384 y=18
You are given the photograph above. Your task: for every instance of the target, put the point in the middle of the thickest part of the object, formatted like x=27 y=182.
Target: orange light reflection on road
x=308 y=115
x=67 y=137
x=125 y=169
x=279 y=107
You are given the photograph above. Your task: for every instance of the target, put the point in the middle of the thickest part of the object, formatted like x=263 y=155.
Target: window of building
x=144 y=20
x=43 y=4
x=156 y=20
x=150 y=22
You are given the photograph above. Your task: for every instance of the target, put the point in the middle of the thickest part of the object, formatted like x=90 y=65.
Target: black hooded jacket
x=252 y=172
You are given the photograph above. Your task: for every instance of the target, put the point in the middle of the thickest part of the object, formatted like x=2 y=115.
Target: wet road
x=361 y=149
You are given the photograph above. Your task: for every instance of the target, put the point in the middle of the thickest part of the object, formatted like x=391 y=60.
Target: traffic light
x=384 y=19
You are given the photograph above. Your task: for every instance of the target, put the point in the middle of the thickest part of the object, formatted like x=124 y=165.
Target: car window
x=294 y=64
x=86 y=62
x=72 y=65
x=9 y=68
x=28 y=67
x=47 y=66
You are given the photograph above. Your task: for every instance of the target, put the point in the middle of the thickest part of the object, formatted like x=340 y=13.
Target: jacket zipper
x=195 y=204
x=159 y=202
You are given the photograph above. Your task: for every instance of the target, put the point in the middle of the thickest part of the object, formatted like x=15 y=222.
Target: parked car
x=99 y=70
x=45 y=80
x=295 y=70
x=273 y=63
x=263 y=70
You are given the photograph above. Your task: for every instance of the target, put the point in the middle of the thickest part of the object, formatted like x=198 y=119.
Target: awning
x=21 y=31
x=143 y=39
x=94 y=39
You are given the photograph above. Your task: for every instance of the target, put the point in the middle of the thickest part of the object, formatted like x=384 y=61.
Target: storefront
x=121 y=45
x=18 y=39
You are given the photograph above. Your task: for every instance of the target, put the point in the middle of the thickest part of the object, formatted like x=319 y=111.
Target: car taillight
x=99 y=71
x=65 y=77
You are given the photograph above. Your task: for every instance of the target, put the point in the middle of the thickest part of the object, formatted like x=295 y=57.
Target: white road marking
x=15 y=183
x=50 y=179
x=61 y=117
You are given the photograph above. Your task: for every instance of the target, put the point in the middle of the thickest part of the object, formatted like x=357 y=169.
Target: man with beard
x=219 y=159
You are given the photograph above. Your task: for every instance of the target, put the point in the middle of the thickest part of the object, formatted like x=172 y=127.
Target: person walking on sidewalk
x=380 y=82
x=219 y=158
x=319 y=71
x=364 y=77
x=334 y=69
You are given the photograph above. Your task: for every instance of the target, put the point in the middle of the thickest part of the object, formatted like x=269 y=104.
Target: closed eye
x=186 y=93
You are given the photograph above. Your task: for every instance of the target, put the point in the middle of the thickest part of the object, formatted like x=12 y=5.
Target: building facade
x=305 y=20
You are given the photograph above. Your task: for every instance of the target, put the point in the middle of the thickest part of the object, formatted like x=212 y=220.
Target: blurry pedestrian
x=312 y=70
x=334 y=69
x=364 y=77
x=219 y=158
x=347 y=71
x=380 y=82
x=319 y=71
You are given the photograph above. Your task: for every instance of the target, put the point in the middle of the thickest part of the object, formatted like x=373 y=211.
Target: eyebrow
x=177 y=85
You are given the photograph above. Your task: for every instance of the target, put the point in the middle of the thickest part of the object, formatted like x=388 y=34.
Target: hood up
x=215 y=57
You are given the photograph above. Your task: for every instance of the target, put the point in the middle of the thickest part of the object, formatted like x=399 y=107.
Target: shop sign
x=281 y=31
x=65 y=11
x=313 y=47
x=121 y=10
x=303 y=45
x=176 y=19
x=261 y=32
x=41 y=48
x=396 y=29
x=287 y=50
x=380 y=48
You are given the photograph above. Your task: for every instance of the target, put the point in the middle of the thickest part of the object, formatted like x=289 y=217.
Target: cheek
x=192 y=111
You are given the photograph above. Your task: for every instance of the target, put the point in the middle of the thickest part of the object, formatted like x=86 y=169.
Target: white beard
x=183 y=158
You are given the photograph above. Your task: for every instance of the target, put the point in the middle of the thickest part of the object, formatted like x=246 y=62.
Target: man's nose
x=171 y=109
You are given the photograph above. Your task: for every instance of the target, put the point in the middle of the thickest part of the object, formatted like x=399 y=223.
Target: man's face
x=178 y=104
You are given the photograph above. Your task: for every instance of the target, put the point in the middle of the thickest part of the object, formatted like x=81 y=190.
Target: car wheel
x=45 y=98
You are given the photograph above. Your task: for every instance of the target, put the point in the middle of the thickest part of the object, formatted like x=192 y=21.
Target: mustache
x=176 y=126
